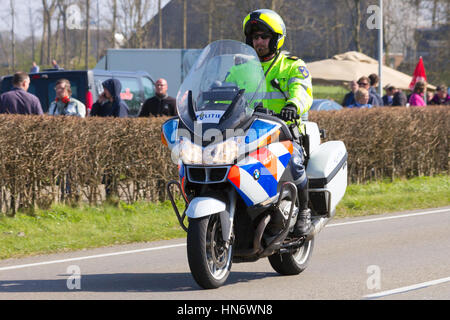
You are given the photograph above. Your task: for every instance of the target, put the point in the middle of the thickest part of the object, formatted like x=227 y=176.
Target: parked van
x=87 y=86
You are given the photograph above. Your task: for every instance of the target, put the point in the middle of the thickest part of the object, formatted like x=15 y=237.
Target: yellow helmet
x=265 y=20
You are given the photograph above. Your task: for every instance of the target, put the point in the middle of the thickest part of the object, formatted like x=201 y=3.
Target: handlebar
x=293 y=127
x=261 y=109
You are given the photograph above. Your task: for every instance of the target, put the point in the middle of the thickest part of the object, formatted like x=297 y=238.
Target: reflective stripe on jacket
x=295 y=82
x=293 y=77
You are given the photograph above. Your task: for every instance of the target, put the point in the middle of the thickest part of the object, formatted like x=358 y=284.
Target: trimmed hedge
x=390 y=142
x=42 y=156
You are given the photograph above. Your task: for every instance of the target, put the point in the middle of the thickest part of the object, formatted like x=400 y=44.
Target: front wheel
x=292 y=263
x=208 y=255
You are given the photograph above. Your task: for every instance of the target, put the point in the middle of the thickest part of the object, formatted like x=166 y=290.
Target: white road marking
x=91 y=257
x=408 y=288
x=390 y=218
x=447 y=210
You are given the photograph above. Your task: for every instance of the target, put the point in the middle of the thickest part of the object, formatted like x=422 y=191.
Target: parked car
x=324 y=104
x=87 y=86
x=321 y=105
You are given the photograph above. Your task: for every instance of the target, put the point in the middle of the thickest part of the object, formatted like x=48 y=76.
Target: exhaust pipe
x=318 y=224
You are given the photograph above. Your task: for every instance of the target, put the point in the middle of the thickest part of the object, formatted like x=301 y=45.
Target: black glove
x=289 y=112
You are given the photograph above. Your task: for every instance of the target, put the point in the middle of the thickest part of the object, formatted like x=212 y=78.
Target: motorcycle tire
x=292 y=263
x=209 y=259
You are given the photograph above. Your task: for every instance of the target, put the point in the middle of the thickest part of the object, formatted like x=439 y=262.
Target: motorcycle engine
x=279 y=218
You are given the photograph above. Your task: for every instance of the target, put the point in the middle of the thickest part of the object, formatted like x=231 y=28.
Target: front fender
x=206 y=206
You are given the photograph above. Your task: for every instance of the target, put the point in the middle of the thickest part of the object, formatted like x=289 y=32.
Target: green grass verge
x=395 y=196
x=336 y=93
x=65 y=228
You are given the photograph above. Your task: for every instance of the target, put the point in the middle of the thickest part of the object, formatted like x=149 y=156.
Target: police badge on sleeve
x=304 y=71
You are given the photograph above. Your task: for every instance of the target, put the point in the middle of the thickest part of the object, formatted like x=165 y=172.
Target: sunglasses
x=363 y=83
x=263 y=36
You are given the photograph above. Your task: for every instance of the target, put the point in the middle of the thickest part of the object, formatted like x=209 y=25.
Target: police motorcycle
x=233 y=160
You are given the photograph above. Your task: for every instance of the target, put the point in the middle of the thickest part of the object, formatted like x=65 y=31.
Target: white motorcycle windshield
x=223 y=87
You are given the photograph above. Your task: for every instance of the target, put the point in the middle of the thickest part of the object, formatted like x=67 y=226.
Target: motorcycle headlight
x=222 y=153
x=189 y=152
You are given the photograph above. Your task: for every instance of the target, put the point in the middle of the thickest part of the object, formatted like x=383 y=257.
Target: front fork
x=227 y=218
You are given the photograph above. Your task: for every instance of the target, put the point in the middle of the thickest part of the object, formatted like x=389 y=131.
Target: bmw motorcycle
x=233 y=159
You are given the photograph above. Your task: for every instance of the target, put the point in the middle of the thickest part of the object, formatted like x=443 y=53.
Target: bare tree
x=88 y=20
x=62 y=6
x=184 y=24
x=33 y=33
x=113 y=23
x=355 y=8
x=133 y=19
x=49 y=9
x=13 y=36
x=160 y=25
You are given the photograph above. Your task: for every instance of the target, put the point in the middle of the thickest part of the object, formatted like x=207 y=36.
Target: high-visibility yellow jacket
x=293 y=77
x=295 y=82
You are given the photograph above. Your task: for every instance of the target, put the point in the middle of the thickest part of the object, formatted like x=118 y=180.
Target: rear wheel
x=292 y=263
x=208 y=255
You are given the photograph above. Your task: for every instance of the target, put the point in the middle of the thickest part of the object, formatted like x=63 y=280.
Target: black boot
x=303 y=226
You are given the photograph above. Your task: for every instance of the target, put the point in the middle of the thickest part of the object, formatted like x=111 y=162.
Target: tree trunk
x=210 y=20
x=355 y=10
x=98 y=31
x=86 y=61
x=358 y=25
x=57 y=34
x=44 y=32
x=13 y=37
x=49 y=35
x=33 y=36
x=184 y=24
x=114 y=25
x=160 y=25
x=65 y=38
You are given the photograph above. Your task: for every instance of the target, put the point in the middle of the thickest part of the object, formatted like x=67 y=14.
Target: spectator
x=388 y=98
x=109 y=103
x=161 y=104
x=18 y=100
x=34 y=68
x=417 y=98
x=429 y=96
x=378 y=101
x=364 y=82
x=362 y=99
x=441 y=97
x=64 y=103
x=399 y=99
x=349 y=98
x=55 y=64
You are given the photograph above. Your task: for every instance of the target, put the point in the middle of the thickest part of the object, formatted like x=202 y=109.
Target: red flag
x=419 y=74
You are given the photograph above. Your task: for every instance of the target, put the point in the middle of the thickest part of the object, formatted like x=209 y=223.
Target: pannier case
x=327 y=175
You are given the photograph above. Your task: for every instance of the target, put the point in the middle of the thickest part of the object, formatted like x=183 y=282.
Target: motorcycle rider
x=289 y=90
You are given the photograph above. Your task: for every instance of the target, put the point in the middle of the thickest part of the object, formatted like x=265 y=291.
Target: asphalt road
x=392 y=256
